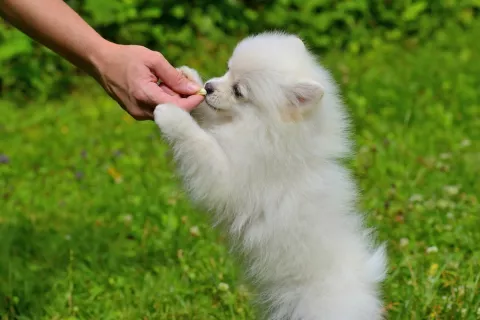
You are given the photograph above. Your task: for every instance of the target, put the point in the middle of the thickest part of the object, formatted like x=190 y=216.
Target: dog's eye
x=236 y=91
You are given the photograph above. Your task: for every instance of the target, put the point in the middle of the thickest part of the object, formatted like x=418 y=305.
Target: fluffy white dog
x=262 y=154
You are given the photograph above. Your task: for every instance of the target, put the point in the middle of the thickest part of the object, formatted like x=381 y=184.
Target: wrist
x=98 y=57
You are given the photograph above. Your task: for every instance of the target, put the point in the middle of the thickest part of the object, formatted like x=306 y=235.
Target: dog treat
x=202 y=92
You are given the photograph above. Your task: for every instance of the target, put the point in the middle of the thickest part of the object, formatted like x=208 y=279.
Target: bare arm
x=128 y=73
x=54 y=24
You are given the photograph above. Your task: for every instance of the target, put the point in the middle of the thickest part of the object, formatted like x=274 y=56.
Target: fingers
x=158 y=95
x=164 y=87
x=172 y=77
x=145 y=112
x=186 y=103
x=141 y=114
x=189 y=103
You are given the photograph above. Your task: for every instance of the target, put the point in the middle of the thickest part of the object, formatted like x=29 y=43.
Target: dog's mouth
x=213 y=108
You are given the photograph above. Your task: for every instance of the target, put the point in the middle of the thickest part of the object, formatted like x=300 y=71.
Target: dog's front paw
x=191 y=74
x=169 y=115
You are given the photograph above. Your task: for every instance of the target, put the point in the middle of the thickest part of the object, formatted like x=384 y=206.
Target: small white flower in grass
x=450 y=215
x=416 y=198
x=404 y=242
x=442 y=166
x=432 y=249
x=445 y=156
x=195 y=231
x=364 y=149
x=443 y=204
x=465 y=143
x=243 y=290
x=451 y=190
x=222 y=286
x=430 y=204
x=127 y=218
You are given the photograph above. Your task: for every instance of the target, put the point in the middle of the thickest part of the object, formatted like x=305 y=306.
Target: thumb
x=173 y=78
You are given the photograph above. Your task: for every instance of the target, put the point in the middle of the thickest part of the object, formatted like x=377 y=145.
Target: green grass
x=94 y=225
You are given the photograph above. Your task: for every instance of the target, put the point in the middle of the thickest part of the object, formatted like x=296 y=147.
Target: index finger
x=156 y=95
x=172 y=77
x=189 y=103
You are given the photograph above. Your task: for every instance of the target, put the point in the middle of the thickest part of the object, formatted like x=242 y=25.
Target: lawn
x=94 y=223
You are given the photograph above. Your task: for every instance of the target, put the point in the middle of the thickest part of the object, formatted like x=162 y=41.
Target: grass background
x=94 y=224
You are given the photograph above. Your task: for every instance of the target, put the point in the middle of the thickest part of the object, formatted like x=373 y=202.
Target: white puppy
x=261 y=153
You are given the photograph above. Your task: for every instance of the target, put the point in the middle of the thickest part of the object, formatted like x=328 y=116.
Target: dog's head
x=271 y=74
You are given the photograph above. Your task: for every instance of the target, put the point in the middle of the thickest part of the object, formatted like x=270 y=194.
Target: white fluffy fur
x=265 y=162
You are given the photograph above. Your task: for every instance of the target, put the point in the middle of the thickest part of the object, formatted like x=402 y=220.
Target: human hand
x=130 y=75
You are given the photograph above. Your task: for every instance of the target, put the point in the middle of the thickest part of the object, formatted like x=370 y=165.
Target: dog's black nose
x=209 y=87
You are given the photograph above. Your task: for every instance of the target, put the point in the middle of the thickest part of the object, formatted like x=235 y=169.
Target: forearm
x=54 y=24
x=129 y=74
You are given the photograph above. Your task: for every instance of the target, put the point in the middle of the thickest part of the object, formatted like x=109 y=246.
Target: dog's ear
x=302 y=97
x=306 y=94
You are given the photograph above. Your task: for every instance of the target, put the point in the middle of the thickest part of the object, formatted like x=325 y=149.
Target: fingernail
x=193 y=87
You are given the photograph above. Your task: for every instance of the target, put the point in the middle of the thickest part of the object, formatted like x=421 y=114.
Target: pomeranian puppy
x=261 y=152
